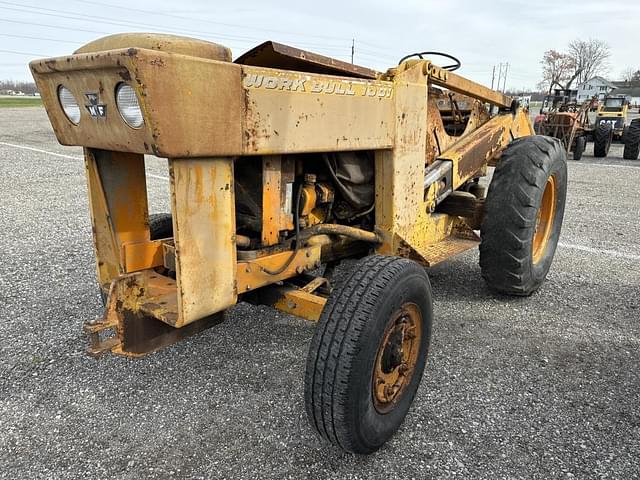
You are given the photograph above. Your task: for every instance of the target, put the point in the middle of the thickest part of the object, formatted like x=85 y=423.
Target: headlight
x=128 y=105
x=69 y=104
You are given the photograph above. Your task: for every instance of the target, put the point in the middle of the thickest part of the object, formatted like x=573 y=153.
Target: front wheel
x=578 y=150
x=368 y=353
x=602 y=138
x=632 y=141
x=523 y=215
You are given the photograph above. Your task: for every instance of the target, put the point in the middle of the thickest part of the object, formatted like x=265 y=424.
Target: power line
x=37 y=38
x=252 y=28
x=191 y=19
x=53 y=26
x=366 y=53
x=28 y=54
x=334 y=50
x=59 y=27
x=111 y=21
x=377 y=47
x=343 y=52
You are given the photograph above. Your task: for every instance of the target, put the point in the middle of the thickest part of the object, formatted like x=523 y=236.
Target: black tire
x=160 y=225
x=602 y=138
x=528 y=167
x=343 y=355
x=632 y=141
x=578 y=150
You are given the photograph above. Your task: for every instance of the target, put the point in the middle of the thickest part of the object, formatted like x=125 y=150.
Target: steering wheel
x=420 y=55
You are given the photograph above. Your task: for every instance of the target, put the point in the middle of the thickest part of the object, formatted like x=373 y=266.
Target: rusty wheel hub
x=544 y=220
x=397 y=356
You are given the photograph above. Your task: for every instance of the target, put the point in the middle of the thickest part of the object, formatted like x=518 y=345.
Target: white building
x=631 y=90
x=595 y=86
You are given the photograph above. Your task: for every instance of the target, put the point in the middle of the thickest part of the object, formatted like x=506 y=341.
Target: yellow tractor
x=281 y=165
x=611 y=123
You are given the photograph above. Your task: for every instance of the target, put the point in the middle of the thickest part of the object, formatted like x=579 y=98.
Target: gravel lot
x=543 y=387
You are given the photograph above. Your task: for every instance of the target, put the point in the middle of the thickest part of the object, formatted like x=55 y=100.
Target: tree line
x=581 y=61
x=29 y=88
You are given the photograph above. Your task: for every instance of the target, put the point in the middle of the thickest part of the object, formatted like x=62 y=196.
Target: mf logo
x=95 y=108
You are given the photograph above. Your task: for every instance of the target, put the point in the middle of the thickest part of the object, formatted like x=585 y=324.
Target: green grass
x=20 y=102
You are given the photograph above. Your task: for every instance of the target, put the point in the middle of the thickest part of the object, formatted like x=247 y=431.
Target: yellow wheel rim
x=397 y=357
x=544 y=220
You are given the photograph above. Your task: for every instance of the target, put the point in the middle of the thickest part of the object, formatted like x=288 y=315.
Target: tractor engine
x=302 y=191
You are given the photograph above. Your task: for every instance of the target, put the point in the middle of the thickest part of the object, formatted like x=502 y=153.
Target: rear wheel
x=632 y=141
x=602 y=138
x=160 y=225
x=368 y=353
x=578 y=150
x=523 y=215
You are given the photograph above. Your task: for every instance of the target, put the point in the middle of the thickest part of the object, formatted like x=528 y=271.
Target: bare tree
x=628 y=73
x=590 y=58
x=558 y=69
x=631 y=75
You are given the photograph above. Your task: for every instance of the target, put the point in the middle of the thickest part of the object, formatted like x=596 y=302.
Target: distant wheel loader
x=569 y=123
x=612 y=124
x=553 y=103
x=281 y=165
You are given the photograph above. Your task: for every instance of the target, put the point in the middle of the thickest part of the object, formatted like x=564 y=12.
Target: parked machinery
x=569 y=123
x=611 y=123
x=282 y=164
x=553 y=102
x=632 y=140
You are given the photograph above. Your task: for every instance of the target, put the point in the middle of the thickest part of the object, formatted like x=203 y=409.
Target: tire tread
x=632 y=141
x=510 y=213
x=335 y=344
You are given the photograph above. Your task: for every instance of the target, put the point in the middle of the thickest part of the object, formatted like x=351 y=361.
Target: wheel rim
x=544 y=220
x=397 y=357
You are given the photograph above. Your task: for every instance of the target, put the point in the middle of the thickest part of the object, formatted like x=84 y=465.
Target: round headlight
x=128 y=105
x=69 y=104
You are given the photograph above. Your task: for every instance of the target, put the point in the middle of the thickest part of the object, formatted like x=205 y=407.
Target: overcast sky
x=482 y=33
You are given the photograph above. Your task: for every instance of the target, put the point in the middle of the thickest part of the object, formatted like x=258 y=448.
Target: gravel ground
x=544 y=387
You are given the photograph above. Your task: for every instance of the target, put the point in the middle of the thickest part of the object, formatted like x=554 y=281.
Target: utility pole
x=353 y=48
x=504 y=85
x=501 y=84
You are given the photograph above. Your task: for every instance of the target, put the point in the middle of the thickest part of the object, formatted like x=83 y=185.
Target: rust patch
x=51 y=64
x=479 y=152
x=250 y=132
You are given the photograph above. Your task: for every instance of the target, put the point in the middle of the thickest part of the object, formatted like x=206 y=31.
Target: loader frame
x=203 y=114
